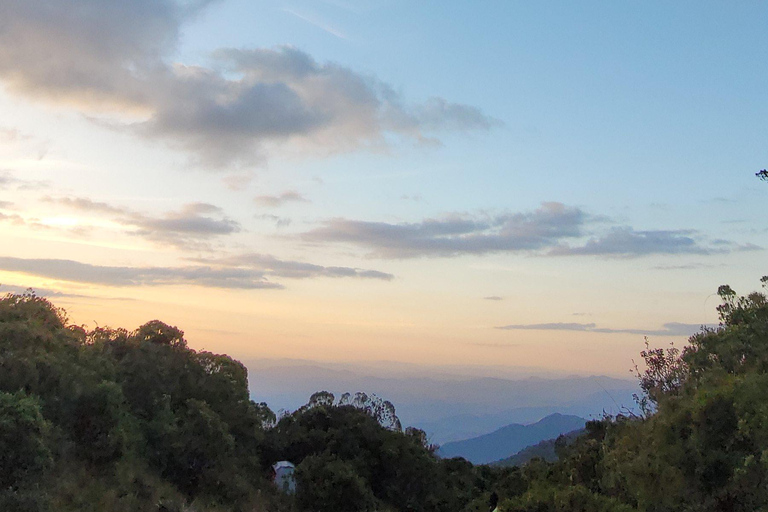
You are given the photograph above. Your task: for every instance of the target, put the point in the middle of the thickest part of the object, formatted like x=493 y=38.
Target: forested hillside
x=117 y=420
x=509 y=440
x=546 y=450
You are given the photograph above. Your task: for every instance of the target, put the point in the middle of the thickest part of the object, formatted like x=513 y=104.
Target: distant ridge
x=544 y=450
x=509 y=440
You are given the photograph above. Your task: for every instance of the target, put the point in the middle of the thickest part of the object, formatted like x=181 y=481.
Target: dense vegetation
x=112 y=420
x=701 y=444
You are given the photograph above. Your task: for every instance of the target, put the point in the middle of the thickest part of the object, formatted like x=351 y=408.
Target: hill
x=545 y=450
x=510 y=439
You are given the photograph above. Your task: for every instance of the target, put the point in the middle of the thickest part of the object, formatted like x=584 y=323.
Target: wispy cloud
x=554 y=229
x=248 y=271
x=314 y=21
x=494 y=345
x=455 y=234
x=280 y=222
x=686 y=266
x=668 y=329
x=290 y=196
x=625 y=241
x=68 y=270
x=269 y=265
x=9 y=181
x=493 y=297
x=112 y=56
x=187 y=227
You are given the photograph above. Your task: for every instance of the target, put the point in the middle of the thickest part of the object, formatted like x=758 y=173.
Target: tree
x=664 y=373
x=24 y=452
x=763 y=174
x=326 y=483
x=97 y=424
x=196 y=450
x=161 y=333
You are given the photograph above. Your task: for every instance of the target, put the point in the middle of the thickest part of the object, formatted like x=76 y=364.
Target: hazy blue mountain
x=510 y=439
x=449 y=403
x=464 y=426
x=544 y=450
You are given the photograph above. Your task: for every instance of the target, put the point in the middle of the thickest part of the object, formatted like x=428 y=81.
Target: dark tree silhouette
x=763 y=174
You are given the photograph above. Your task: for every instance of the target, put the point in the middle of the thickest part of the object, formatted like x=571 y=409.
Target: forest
x=109 y=419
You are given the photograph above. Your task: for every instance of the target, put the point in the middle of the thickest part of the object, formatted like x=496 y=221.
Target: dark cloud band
x=668 y=329
x=553 y=229
x=255 y=275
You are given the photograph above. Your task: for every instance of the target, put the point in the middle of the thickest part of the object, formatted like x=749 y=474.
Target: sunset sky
x=479 y=183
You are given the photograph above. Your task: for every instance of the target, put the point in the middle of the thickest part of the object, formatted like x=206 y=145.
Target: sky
x=531 y=184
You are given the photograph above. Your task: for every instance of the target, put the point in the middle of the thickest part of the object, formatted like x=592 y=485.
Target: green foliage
x=97 y=427
x=572 y=498
x=329 y=484
x=664 y=374
x=24 y=451
x=702 y=444
x=398 y=469
x=157 y=332
x=111 y=419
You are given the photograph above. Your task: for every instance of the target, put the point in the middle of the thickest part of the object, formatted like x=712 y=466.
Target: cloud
x=68 y=270
x=312 y=20
x=494 y=345
x=192 y=220
x=238 y=181
x=493 y=297
x=281 y=199
x=747 y=247
x=668 y=329
x=87 y=205
x=8 y=181
x=13 y=218
x=248 y=272
x=544 y=231
x=269 y=265
x=625 y=241
x=689 y=266
x=570 y=326
x=280 y=222
x=186 y=228
x=454 y=235
x=111 y=57
x=437 y=114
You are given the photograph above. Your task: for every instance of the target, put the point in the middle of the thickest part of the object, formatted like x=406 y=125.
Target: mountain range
x=509 y=440
x=448 y=403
